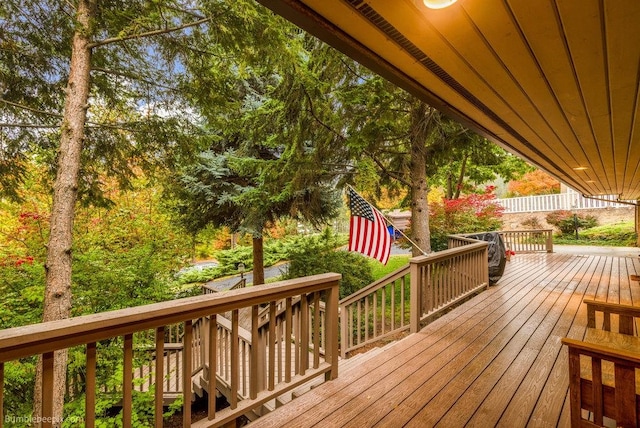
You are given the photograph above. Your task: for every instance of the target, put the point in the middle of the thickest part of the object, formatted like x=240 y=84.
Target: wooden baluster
x=403 y=286
x=414 y=298
x=375 y=314
x=245 y=370
x=316 y=330
x=383 y=314
x=234 y=359
x=279 y=350
x=393 y=305
x=358 y=335
x=287 y=340
x=213 y=345
x=159 y=395
x=254 y=384
x=186 y=373
x=90 y=386
x=296 y=338
x=304 y=334
x=127 y=381
x=367 y=310
x=47 y=386
x=177 y=354
x=1 y=394
x=272 y=347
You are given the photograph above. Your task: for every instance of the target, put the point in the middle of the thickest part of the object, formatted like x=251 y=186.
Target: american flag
x=368 y=232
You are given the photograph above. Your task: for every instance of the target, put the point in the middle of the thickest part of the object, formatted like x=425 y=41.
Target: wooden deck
x=496 y=360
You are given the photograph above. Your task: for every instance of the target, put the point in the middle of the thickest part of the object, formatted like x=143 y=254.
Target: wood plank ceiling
x=556 y=82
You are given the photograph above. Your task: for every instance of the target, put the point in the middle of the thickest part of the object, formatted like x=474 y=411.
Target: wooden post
x=331 y=326
x=90 y=399
x=47 y=387
x=416 y=296
x=1 y=394
x=187 y=343
x=127 y=381
x=213 y=348
x=159 y=394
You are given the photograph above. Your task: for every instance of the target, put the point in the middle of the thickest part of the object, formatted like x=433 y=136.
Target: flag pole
x=389 y=222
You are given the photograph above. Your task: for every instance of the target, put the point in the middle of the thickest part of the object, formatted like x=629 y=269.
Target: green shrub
x=275 y=250
x=532 y=223
x=319 y=255
x=468 y=214
x=620 y=234
x=567 y=221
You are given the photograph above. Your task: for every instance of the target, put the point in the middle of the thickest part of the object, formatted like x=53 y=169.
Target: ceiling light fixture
x=580 y=168
x=438 y=4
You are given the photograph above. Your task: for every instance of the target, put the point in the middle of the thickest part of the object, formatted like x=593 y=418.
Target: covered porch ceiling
x=556 y=82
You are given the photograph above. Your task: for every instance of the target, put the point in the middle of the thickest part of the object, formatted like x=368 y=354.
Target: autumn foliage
x=534 y=183
x=473 y=213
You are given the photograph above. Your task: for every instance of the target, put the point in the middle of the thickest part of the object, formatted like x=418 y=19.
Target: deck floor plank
x=510 y=339
x=496 y=360
x=427 y=379
x=522 y=404
x=511 y=366
x=512 y=345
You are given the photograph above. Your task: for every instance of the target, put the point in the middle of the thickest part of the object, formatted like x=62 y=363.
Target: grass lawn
x=613 y=235
x=395 y=262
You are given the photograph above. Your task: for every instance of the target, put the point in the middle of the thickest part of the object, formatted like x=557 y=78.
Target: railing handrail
x=445 y=254
x=20 y=342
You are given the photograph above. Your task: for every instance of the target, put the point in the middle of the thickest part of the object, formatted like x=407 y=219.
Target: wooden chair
x=624 y=317
x=604 y=367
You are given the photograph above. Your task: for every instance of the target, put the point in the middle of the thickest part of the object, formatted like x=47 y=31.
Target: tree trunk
x=463 y=169
x=420 y=119
x=449 y=194
x=258 y=261
x=57 y=299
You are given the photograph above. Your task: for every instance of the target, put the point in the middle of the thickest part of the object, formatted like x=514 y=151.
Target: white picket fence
x=570 y=200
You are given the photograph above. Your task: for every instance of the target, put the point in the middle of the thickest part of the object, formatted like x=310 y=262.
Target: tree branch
x=27 y=125
x=148 y=34
x=392 y=174
x=132 y=76
x=317 y=119
x=20 y=106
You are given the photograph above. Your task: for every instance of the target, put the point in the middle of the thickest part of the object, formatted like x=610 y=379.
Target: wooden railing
x=264 y=381
x=241 y=283
x=528 y=241
x=411 y=295
x=375 y=312
x=443 y=279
